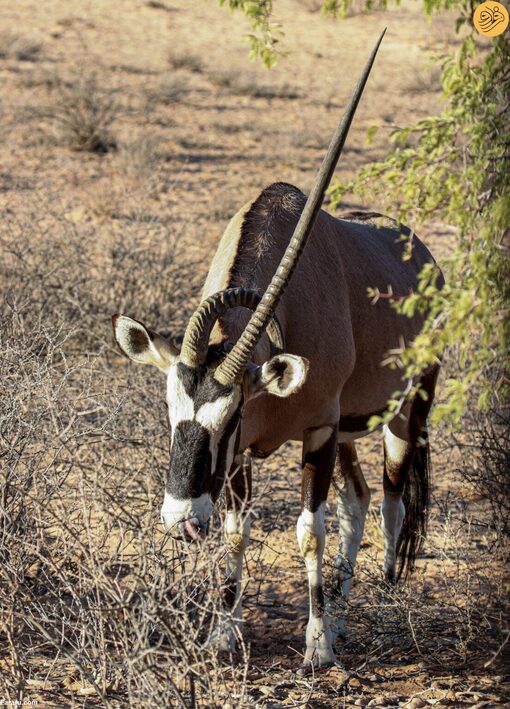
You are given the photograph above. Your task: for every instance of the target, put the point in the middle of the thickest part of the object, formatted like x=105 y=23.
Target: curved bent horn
x=196 y=339
x=232 y=367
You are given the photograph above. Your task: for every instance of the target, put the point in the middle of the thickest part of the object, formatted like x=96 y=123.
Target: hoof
x=390 y=579
x=338 y=630
x=311 y=666
x=317 y=658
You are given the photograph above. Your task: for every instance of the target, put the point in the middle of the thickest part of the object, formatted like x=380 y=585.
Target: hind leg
x=406 y=479
x=398 y=453
x=353 y=499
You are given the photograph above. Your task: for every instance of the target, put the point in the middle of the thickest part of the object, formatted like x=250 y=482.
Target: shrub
x=185 y=60
x=247 y=84
x=21 y=47
x=171 y=89
x=82 y=111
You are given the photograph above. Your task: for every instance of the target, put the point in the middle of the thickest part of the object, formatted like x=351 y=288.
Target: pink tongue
x=191 y=530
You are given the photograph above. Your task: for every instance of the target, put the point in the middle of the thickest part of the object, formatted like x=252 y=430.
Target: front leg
x=319 y=448
x=237 y=533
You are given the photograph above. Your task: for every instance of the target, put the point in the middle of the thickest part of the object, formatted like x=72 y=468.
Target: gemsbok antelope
x=305 y=365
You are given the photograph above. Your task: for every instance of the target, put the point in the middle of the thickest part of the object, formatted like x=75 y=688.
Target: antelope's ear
x=282 y=376
x=142 y=345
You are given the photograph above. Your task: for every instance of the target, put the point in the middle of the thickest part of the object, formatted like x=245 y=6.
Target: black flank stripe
x=357 y=422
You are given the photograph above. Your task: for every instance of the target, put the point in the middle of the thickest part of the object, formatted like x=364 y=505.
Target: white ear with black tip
x=281 y=376
x=142 y=345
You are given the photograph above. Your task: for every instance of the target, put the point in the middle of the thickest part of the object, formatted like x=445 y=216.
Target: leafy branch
x=454 y=166
x=265 y=34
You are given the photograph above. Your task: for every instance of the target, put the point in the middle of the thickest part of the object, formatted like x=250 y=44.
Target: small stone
x=354 y=682
x=337 y=676
x=268 y=691
x=87 y=690
x=361 y=702
x=375 y=678
x=381 y=701
x=40 y=684
x=416 y=703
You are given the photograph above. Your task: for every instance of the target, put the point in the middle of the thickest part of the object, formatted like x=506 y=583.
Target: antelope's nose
x=193 y=529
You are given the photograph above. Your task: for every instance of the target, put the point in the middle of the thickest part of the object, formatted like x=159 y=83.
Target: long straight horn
x=232 y=368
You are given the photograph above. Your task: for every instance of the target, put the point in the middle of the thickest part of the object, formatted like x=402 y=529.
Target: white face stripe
x=180 y=404
x=213 y=413
x=214 y=416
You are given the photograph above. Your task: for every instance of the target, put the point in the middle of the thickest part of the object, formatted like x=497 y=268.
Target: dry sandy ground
x=194 y=143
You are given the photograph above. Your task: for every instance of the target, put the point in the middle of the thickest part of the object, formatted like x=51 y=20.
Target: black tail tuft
x=416 y=500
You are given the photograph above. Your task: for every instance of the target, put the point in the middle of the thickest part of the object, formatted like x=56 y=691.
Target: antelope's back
x=325 y=311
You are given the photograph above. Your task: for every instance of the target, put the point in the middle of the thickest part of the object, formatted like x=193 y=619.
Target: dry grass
x=97 y=606
x=171 y=89
x=98 y=603
x=139 y=158
x=486 y=443
x=90 y=591
x=311 y=5
x=22 y=47
x=425 y=81
x=79 y=110
x=244 y=83
x=157 y=5
x=185 y=60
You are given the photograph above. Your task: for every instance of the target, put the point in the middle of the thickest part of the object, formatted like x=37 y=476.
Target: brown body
x=306 y=365
x=325 y=313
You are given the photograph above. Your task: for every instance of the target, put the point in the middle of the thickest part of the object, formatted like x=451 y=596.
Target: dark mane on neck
x=277 y=205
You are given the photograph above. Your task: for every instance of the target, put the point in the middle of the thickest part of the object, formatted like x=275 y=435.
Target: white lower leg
x=311 y=534
x=392 y=513
x=351 y=511
x=237 y=533
x=392 y=508
x=351 y=520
